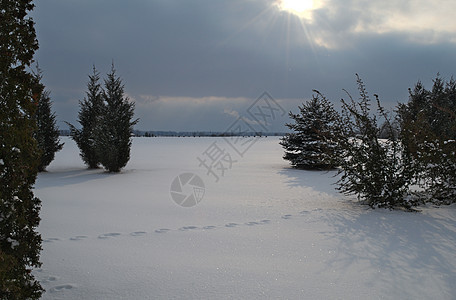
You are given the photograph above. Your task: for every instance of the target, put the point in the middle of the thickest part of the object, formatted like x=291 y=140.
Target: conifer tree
x=89 y=117
x=47 y=133
x=20 y=243
x=428 y=133
x=373 y=170
x=311 y=144
x=113 y=135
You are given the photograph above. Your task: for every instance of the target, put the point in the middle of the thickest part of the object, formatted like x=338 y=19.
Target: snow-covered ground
x=262 y=231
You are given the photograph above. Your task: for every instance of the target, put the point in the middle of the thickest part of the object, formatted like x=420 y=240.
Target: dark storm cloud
x=235 y=50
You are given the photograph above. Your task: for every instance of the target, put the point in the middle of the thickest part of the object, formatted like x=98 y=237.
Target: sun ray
x=244 y=27
x=298 y=27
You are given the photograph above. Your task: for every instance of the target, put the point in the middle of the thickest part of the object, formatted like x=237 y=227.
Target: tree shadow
x=413 y=253
x=398 y=252
x=65 y=177
x=322 y=181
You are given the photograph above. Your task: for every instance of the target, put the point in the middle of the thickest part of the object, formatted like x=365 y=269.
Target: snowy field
x=262 y=231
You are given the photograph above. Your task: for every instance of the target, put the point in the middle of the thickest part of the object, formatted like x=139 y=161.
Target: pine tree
x=89 y=117
x=311 y=144
x=113 y=135
x=47 y=133
x=20 y=243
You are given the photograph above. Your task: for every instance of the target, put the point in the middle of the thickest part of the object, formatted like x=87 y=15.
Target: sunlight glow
x=297 y=7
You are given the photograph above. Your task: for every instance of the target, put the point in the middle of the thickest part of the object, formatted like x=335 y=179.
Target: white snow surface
x=263 y=231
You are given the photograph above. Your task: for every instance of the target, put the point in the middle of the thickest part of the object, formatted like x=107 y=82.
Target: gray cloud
x=231 y=50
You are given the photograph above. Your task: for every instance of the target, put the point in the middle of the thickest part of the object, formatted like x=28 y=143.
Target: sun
x=297 y=7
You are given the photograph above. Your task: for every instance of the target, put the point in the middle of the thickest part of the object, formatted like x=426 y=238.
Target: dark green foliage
x=106 y=119
x=385 y=130
x=311 y=144
x=47 y=133
x=428 y=132
x=20 y=243
x=89 y=117
x=439 y=177
x=418 y=146
x=113 y=135
x=373 y=170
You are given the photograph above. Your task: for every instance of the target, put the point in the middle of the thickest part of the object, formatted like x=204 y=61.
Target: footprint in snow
x=209 y=227
x=49 y=279
x=138 y=233
x=262 y=222
x=185 y=228
x=50 y=240
x=108 y=235
x=162 y=230
x=252 y=223
x=78 y=237
x=286 y=217
x=62 y=287
x=231 y=225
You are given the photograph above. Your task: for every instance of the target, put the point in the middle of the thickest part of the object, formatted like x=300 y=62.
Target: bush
x=372 y=169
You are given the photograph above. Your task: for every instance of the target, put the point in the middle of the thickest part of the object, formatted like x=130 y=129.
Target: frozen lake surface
x=263 y=230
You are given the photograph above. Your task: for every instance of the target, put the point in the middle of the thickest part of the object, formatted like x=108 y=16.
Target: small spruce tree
x=47 y=133
x=311 y=144
x=89 y=117
x=113 y=135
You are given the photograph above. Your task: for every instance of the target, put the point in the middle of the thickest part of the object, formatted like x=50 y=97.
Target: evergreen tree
x=373 y=170
x=113 y=135
x=428 y=133
x=414 y=127
x=311 y=144
x=20 y=243
x=47 y=133
x=89 y=117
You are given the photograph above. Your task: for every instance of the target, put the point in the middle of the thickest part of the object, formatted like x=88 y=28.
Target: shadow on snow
x=57 y=178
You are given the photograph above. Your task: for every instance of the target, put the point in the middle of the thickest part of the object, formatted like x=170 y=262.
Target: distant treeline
x=140 y=133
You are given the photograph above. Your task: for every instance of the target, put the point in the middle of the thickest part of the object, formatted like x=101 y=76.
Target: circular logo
x=187 y=189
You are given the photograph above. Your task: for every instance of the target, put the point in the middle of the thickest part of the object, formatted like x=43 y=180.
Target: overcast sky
x=198 y=64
